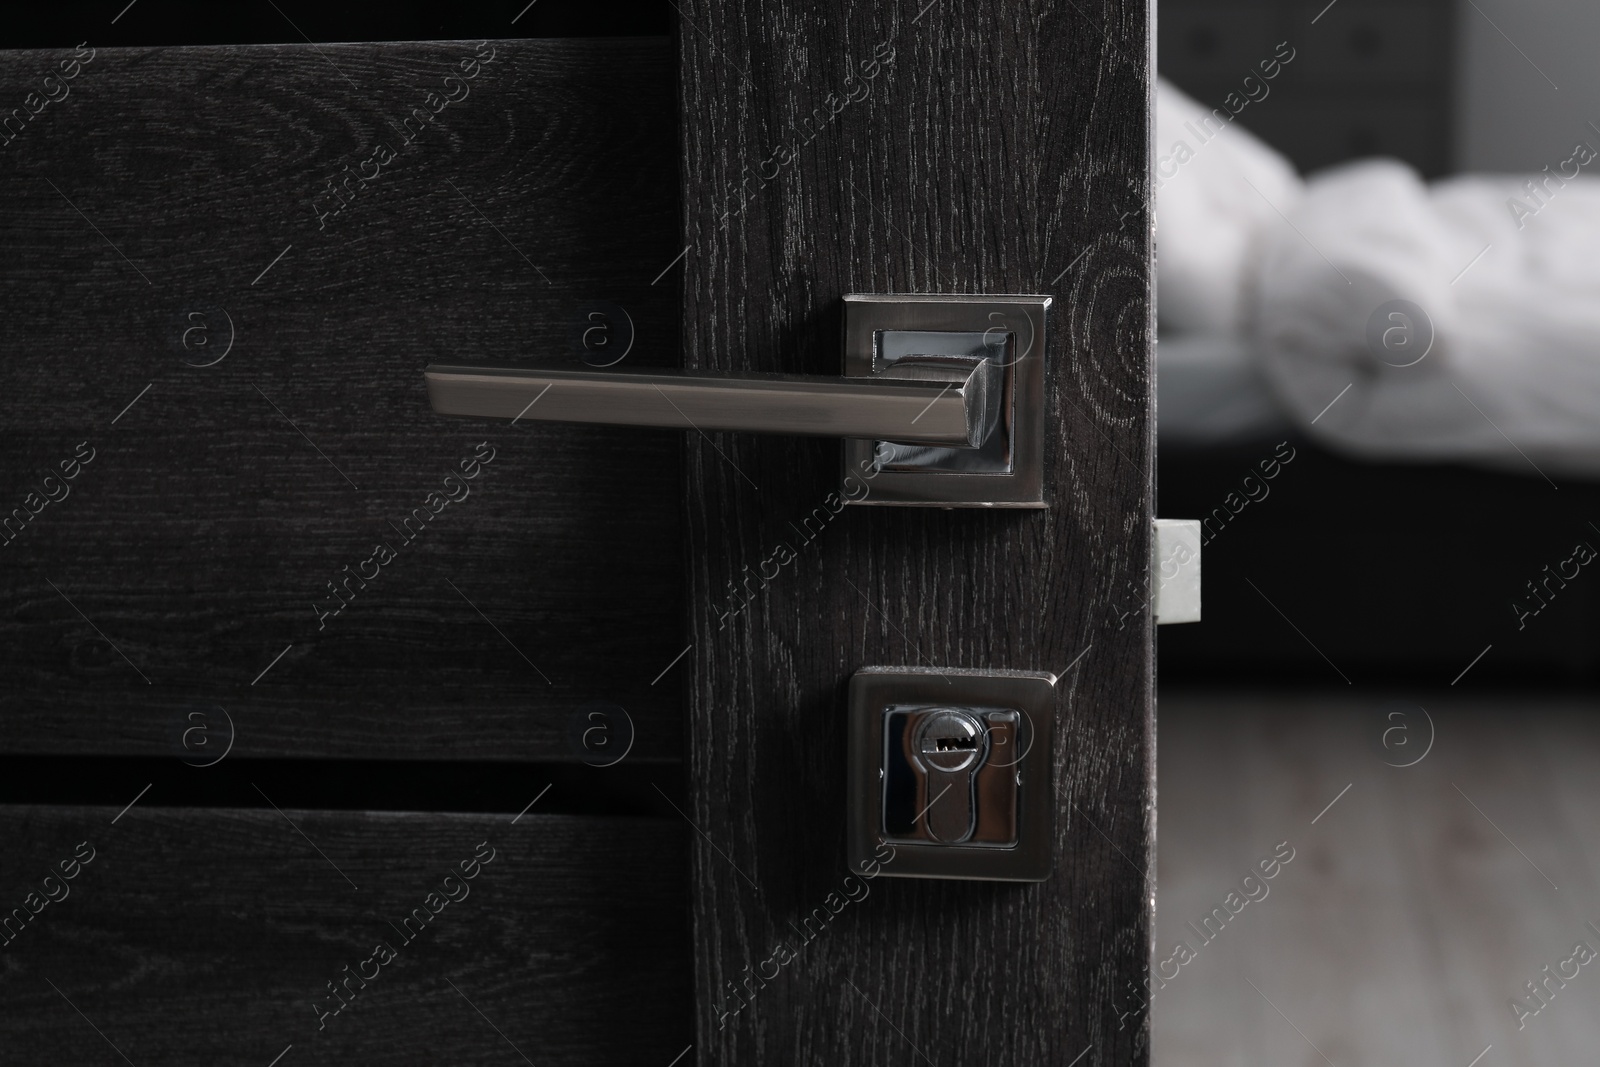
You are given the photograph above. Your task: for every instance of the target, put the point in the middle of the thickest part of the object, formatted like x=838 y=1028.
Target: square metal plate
x=1008 y=472
x=1018 y=852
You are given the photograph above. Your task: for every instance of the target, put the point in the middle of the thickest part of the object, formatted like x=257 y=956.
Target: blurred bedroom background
x=1378 y=232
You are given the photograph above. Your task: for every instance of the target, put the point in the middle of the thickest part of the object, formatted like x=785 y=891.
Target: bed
x=1430 y=357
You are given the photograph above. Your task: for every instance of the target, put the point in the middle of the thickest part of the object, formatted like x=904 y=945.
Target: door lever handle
x=942 y=401
x=931 y=401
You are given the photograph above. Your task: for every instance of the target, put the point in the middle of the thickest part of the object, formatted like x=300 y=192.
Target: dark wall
x=1368 y=77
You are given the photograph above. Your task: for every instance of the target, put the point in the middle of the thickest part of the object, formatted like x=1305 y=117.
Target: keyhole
x=952 y=744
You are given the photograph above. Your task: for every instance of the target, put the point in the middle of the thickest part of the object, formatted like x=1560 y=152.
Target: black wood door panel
x=208 y=937
x=226 y=268
x=227 y=352
x=945 y=147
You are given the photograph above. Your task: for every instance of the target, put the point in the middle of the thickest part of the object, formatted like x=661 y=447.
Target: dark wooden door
x=336 y=731
x=1000 y=148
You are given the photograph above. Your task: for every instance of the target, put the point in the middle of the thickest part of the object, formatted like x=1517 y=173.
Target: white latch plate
x=1175 y=571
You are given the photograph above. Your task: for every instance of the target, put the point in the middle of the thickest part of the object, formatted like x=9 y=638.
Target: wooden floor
x=1415 y=908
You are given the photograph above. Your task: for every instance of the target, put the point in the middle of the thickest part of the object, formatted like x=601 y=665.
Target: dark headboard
x=1383 y=574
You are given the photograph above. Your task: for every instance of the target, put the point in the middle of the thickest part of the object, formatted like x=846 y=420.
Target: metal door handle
x=942 y=402
x=947 y=403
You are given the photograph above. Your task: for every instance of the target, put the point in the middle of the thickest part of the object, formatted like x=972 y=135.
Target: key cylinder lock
x=953 y=769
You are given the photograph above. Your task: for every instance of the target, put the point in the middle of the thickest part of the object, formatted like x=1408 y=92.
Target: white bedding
x=1210 y=392
x=1502 y=305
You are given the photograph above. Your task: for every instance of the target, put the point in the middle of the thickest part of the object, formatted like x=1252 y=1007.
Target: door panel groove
x=208 y=777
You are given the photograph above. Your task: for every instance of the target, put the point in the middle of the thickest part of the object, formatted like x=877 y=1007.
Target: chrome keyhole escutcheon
x=952 y=767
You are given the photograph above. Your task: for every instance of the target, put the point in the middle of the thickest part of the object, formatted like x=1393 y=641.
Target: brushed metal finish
x=1006 y=819
x=931 y=405
x=941 y=403
x=1013 y=326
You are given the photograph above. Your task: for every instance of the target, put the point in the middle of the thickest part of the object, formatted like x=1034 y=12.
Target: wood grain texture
x=223 y=499
x=1003 y=150
x=207 y=937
